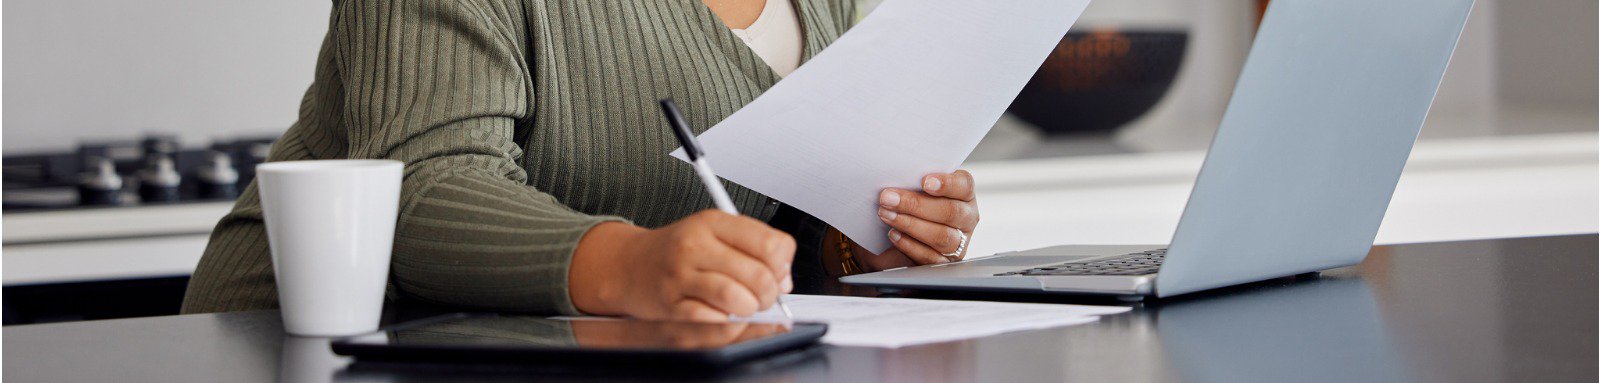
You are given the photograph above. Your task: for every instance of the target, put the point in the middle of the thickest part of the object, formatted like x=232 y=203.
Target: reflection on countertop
x=1495 y=310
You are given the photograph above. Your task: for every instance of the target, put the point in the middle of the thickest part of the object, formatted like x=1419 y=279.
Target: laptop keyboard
x=1140 y=263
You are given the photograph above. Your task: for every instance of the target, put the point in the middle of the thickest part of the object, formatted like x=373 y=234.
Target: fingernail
x=889 y=198
x=788 y=284
x=931 y=184
x=886 y=215
x=894 y=236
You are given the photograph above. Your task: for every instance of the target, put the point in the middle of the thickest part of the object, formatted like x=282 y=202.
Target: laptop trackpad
x=1025 y=260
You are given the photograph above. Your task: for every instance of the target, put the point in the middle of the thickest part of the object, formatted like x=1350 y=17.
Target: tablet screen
x=511 y=331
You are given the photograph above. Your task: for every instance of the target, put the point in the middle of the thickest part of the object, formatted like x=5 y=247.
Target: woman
x=536 y=176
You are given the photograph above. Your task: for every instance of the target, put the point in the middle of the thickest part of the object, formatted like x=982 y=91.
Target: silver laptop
x=1302 y=168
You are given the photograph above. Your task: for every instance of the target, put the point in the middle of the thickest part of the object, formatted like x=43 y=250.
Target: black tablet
x=577 y=342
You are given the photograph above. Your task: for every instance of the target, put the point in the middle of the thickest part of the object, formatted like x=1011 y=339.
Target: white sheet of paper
x=907 y=92
x=898 y=322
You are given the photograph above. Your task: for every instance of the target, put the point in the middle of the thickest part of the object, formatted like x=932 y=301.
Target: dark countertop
x=1495 y=310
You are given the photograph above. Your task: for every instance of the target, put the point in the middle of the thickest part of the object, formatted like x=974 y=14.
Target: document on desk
x=907 y=92
x=899 y=322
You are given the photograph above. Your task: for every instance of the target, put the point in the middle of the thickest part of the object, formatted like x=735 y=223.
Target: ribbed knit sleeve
x=440 y=86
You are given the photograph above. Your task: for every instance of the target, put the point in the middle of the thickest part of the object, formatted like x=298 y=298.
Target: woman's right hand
x=704 y=267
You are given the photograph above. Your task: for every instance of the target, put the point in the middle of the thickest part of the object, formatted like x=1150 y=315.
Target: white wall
x=104 y=69
x=204 y=69
x=1549 y=52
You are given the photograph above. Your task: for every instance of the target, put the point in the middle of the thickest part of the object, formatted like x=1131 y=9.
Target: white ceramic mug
x=330 y=224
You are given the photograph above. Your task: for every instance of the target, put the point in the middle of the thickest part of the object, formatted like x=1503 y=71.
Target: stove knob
x=251 y=154
x=218 y=179
x=158 y=145
x=159 y=180
x=100 y=185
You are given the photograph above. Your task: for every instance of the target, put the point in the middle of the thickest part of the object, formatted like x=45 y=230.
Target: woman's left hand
x=929 y=226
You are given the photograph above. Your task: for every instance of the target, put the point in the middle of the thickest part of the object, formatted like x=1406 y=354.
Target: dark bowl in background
x=1098 y=80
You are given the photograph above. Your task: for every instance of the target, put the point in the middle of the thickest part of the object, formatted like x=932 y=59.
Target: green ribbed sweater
x=522 y=124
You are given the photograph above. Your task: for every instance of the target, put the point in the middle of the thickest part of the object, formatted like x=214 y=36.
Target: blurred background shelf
x=1452 y=189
